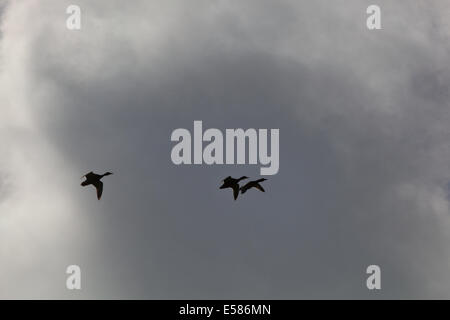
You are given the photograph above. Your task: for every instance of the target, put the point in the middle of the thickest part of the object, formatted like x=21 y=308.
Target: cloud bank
x=363 y=118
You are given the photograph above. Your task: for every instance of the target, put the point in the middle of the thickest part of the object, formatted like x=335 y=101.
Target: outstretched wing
x=258 y=186
x=99 y=186
x=235 y=191
x=227 y=179
x=245 y=188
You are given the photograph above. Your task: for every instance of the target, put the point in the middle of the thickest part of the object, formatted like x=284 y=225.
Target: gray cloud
x=363 y=149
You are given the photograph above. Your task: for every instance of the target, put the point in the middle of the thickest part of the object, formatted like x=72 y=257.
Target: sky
x=364 y=149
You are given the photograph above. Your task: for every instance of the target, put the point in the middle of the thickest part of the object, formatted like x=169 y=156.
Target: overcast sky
x=364 y=149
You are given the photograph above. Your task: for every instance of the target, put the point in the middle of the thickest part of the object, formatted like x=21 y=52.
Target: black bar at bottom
x=222 y=309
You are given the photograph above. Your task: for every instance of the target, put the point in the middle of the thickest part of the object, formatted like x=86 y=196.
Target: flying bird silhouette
x=253 y=184
x=94 y=179
x=232 y=183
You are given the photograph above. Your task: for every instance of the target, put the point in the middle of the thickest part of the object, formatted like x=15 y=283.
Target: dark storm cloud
x=362 y=118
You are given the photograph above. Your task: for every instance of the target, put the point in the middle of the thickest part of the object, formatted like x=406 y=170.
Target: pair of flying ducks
x=232 y=183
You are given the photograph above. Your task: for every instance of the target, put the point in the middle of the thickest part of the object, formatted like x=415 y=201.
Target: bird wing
x=99 y=186
x=258 y=186
x=227 y=179
x=235 y=191
x=245 y=187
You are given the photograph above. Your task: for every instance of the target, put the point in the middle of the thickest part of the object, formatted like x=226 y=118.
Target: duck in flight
x=232 y=183
x=253 y=184
x=94 y=179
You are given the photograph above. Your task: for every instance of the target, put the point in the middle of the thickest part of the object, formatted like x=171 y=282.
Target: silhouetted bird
x=94 y=179
x=253 y=184
x=232 y=183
